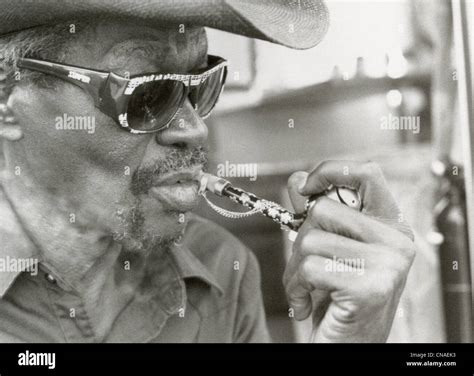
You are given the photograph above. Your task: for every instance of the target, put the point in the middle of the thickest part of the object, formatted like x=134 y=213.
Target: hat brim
x=296 y=24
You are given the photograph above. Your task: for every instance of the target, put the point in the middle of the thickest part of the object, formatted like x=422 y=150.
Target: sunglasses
x=142 y=103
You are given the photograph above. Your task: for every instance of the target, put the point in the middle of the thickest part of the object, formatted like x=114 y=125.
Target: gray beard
x=133 y=238
x=132 y=235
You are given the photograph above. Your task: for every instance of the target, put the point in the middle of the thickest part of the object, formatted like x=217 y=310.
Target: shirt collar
x=15 y=245
x=190 y=267
x=17 y=252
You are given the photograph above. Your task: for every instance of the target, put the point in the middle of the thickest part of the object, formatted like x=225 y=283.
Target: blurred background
x=390 y=83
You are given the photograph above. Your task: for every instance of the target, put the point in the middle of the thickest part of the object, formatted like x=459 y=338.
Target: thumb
x=295 y=182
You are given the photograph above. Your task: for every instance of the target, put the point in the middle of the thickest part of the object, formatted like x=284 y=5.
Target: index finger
x=351 y=174
x=365 y=177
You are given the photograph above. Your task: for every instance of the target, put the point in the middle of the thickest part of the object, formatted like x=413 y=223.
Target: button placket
x=76 y=328
x=50 y=278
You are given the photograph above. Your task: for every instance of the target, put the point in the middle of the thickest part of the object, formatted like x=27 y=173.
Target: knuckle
x=305 y=270
x=350 y=312
x=371 y=170
x=406 y=251
x=318 y=208
x=305 y=245
x=295 y=179
x=392 y=277
x=324 y=166
x=301 y=240
x=398 y=260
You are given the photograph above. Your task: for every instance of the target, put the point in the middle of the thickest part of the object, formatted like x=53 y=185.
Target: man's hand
x=348 y=268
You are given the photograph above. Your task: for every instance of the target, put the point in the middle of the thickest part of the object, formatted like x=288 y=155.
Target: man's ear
x=9 y=130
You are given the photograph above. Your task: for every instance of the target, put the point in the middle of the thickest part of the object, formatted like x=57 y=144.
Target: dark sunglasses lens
x=154 y=104
x=209 y=92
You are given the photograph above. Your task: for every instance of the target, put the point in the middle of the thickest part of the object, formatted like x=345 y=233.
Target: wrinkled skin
x=355 y=304
x=66 y=173
x=77 y=194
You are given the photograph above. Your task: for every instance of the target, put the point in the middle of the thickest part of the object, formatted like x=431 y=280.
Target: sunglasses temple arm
x=88 y=80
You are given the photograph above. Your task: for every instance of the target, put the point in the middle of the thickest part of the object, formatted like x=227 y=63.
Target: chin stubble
x=133 y=235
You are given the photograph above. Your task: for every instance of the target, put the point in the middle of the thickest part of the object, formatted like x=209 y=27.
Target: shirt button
x=50 y=278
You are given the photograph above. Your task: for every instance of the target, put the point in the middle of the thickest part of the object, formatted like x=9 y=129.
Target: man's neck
x=83 y=257
x=98 y=270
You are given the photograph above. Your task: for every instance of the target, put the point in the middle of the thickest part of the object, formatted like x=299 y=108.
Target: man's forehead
x=136 y=49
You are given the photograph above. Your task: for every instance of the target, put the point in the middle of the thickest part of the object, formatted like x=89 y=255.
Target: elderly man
x=96 y=233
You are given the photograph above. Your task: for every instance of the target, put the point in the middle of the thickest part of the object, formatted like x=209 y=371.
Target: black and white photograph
x=293 y=172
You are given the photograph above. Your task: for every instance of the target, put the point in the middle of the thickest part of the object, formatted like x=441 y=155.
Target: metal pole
x=464 y=81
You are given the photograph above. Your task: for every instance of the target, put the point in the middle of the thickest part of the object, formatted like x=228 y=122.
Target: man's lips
x=177 y=191
x=178 y=177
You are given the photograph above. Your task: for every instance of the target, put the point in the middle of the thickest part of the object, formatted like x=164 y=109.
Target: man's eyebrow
x=150 y=51
x=133 y=47
x=201 y=63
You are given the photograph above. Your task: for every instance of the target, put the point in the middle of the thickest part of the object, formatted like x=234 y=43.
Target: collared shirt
x=205 y=289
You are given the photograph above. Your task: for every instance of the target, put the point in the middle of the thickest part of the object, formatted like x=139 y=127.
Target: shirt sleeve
x=251 y=323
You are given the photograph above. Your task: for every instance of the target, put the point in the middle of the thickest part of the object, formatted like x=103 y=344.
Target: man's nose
x=187 y=129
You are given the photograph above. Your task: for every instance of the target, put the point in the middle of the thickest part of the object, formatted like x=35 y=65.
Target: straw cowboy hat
x=298 y=24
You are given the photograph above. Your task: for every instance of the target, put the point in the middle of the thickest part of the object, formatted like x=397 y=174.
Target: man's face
x=111 y=179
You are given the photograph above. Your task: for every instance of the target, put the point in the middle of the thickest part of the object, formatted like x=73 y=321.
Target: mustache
x=177 y=159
